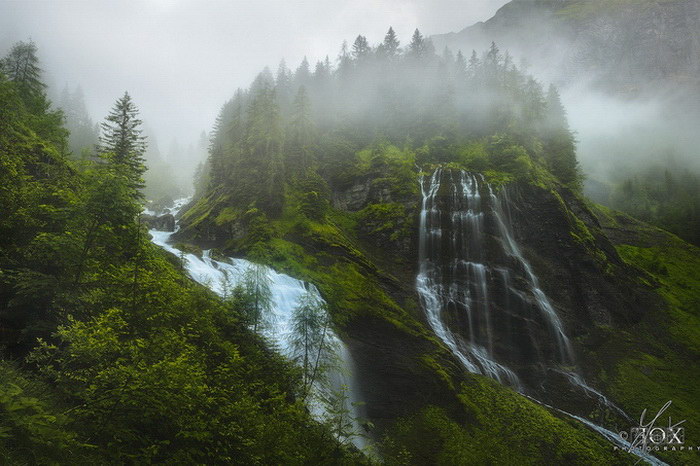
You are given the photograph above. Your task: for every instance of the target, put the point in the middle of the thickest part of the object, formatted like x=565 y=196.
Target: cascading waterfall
x=481 y=296
x=463 y=223
x=219 y=276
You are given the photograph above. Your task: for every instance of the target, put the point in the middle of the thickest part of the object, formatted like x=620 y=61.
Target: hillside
x=450 y=259
x=624 y=45
x=387 y=261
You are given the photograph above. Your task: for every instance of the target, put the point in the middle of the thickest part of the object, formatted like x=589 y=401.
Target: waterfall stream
x=481 y=296
x=219 y=276
x=463 y=226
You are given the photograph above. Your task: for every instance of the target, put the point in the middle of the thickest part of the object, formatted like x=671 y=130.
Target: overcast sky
x=181 y=59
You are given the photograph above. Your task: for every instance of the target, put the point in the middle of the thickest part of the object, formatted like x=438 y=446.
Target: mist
x=180 y=59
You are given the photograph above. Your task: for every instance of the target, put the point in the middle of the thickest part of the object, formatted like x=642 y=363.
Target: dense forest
x=482 y=113
x=110 y=353
x=345 y=175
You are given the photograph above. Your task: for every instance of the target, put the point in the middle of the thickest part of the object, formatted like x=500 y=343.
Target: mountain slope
x=622 y=44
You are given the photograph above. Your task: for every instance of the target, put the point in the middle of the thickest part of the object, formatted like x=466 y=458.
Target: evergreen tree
x=311 y=344
x=121 y=143
x=473 y=65
x=299 y=150
x=460 y=66
x=417 y=46
x=559 y=145
x=258 y=297
x=390 y=46
x=84 y=133
x=302 y=76
x=21 y=66
x=361 y=48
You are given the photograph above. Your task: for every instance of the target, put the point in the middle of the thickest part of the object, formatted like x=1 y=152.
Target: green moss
x=227 y=215
x=386 y=220
x=498 y=178
x=432 y=363
x=541 y=436
x=659 y=355
x=503 y=427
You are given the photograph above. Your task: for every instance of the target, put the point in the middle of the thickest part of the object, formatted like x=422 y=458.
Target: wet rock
x=163 y=222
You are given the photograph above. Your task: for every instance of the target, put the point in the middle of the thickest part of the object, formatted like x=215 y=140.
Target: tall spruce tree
x=121 y=143
x=390 y=46
x=21 y=66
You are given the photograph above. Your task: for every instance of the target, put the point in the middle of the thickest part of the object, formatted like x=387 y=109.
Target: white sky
x=181 y=59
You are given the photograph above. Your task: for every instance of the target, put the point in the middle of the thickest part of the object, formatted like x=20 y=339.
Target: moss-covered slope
x=363 y=259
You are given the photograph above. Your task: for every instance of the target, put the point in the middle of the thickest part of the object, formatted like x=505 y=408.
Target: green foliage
x=257 y=296
x=134 y=362
x=432 y=437
x=312 y=346
x=32 y=426
x=388 y=222
x=669 y=199
x=508 y=156
x=653 y=361
x=121 y=143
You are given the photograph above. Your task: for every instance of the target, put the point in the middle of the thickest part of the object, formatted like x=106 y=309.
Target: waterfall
x=468 y=258
x=481 y=296
x=286 y=291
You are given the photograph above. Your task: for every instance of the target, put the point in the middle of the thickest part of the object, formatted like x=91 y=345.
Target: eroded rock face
x=353 y=198
x=163 y=222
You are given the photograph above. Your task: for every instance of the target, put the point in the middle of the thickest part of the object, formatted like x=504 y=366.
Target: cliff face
x=623 y=44
x=364 y=258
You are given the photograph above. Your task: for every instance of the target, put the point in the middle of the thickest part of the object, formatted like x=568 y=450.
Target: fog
x=181 y=59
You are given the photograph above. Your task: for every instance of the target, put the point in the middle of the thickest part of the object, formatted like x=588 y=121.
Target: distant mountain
x=625 y=44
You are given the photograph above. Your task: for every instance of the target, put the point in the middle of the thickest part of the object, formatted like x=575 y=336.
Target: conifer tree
x=121 y=142
x=361 y=48
x=417 y=46
x=299 y=150
x=310 y=340
x=21 y=66
x=258 y=297
x=390 y=46
x=460 y=65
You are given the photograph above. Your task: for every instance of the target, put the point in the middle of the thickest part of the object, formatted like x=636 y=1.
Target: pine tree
x=21 y=66
x=361 y=48
x=417 y=46
x=299 y=137
x=559 y=145
x=474 y=64
x=121 y=143
x=390 y=46
x=258 y=297
x=460 y=66
x=302 y=76
x=311 y=344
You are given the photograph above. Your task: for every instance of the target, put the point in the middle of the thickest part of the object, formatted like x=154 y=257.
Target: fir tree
x=390 y=46
x=417 y=46
x=121 y=143
x=361 y=48
x=21 y=66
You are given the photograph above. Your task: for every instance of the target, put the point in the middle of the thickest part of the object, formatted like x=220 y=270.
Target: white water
x=465 y=286
x=437 y=295
x=286 y=291
x=503 y=220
